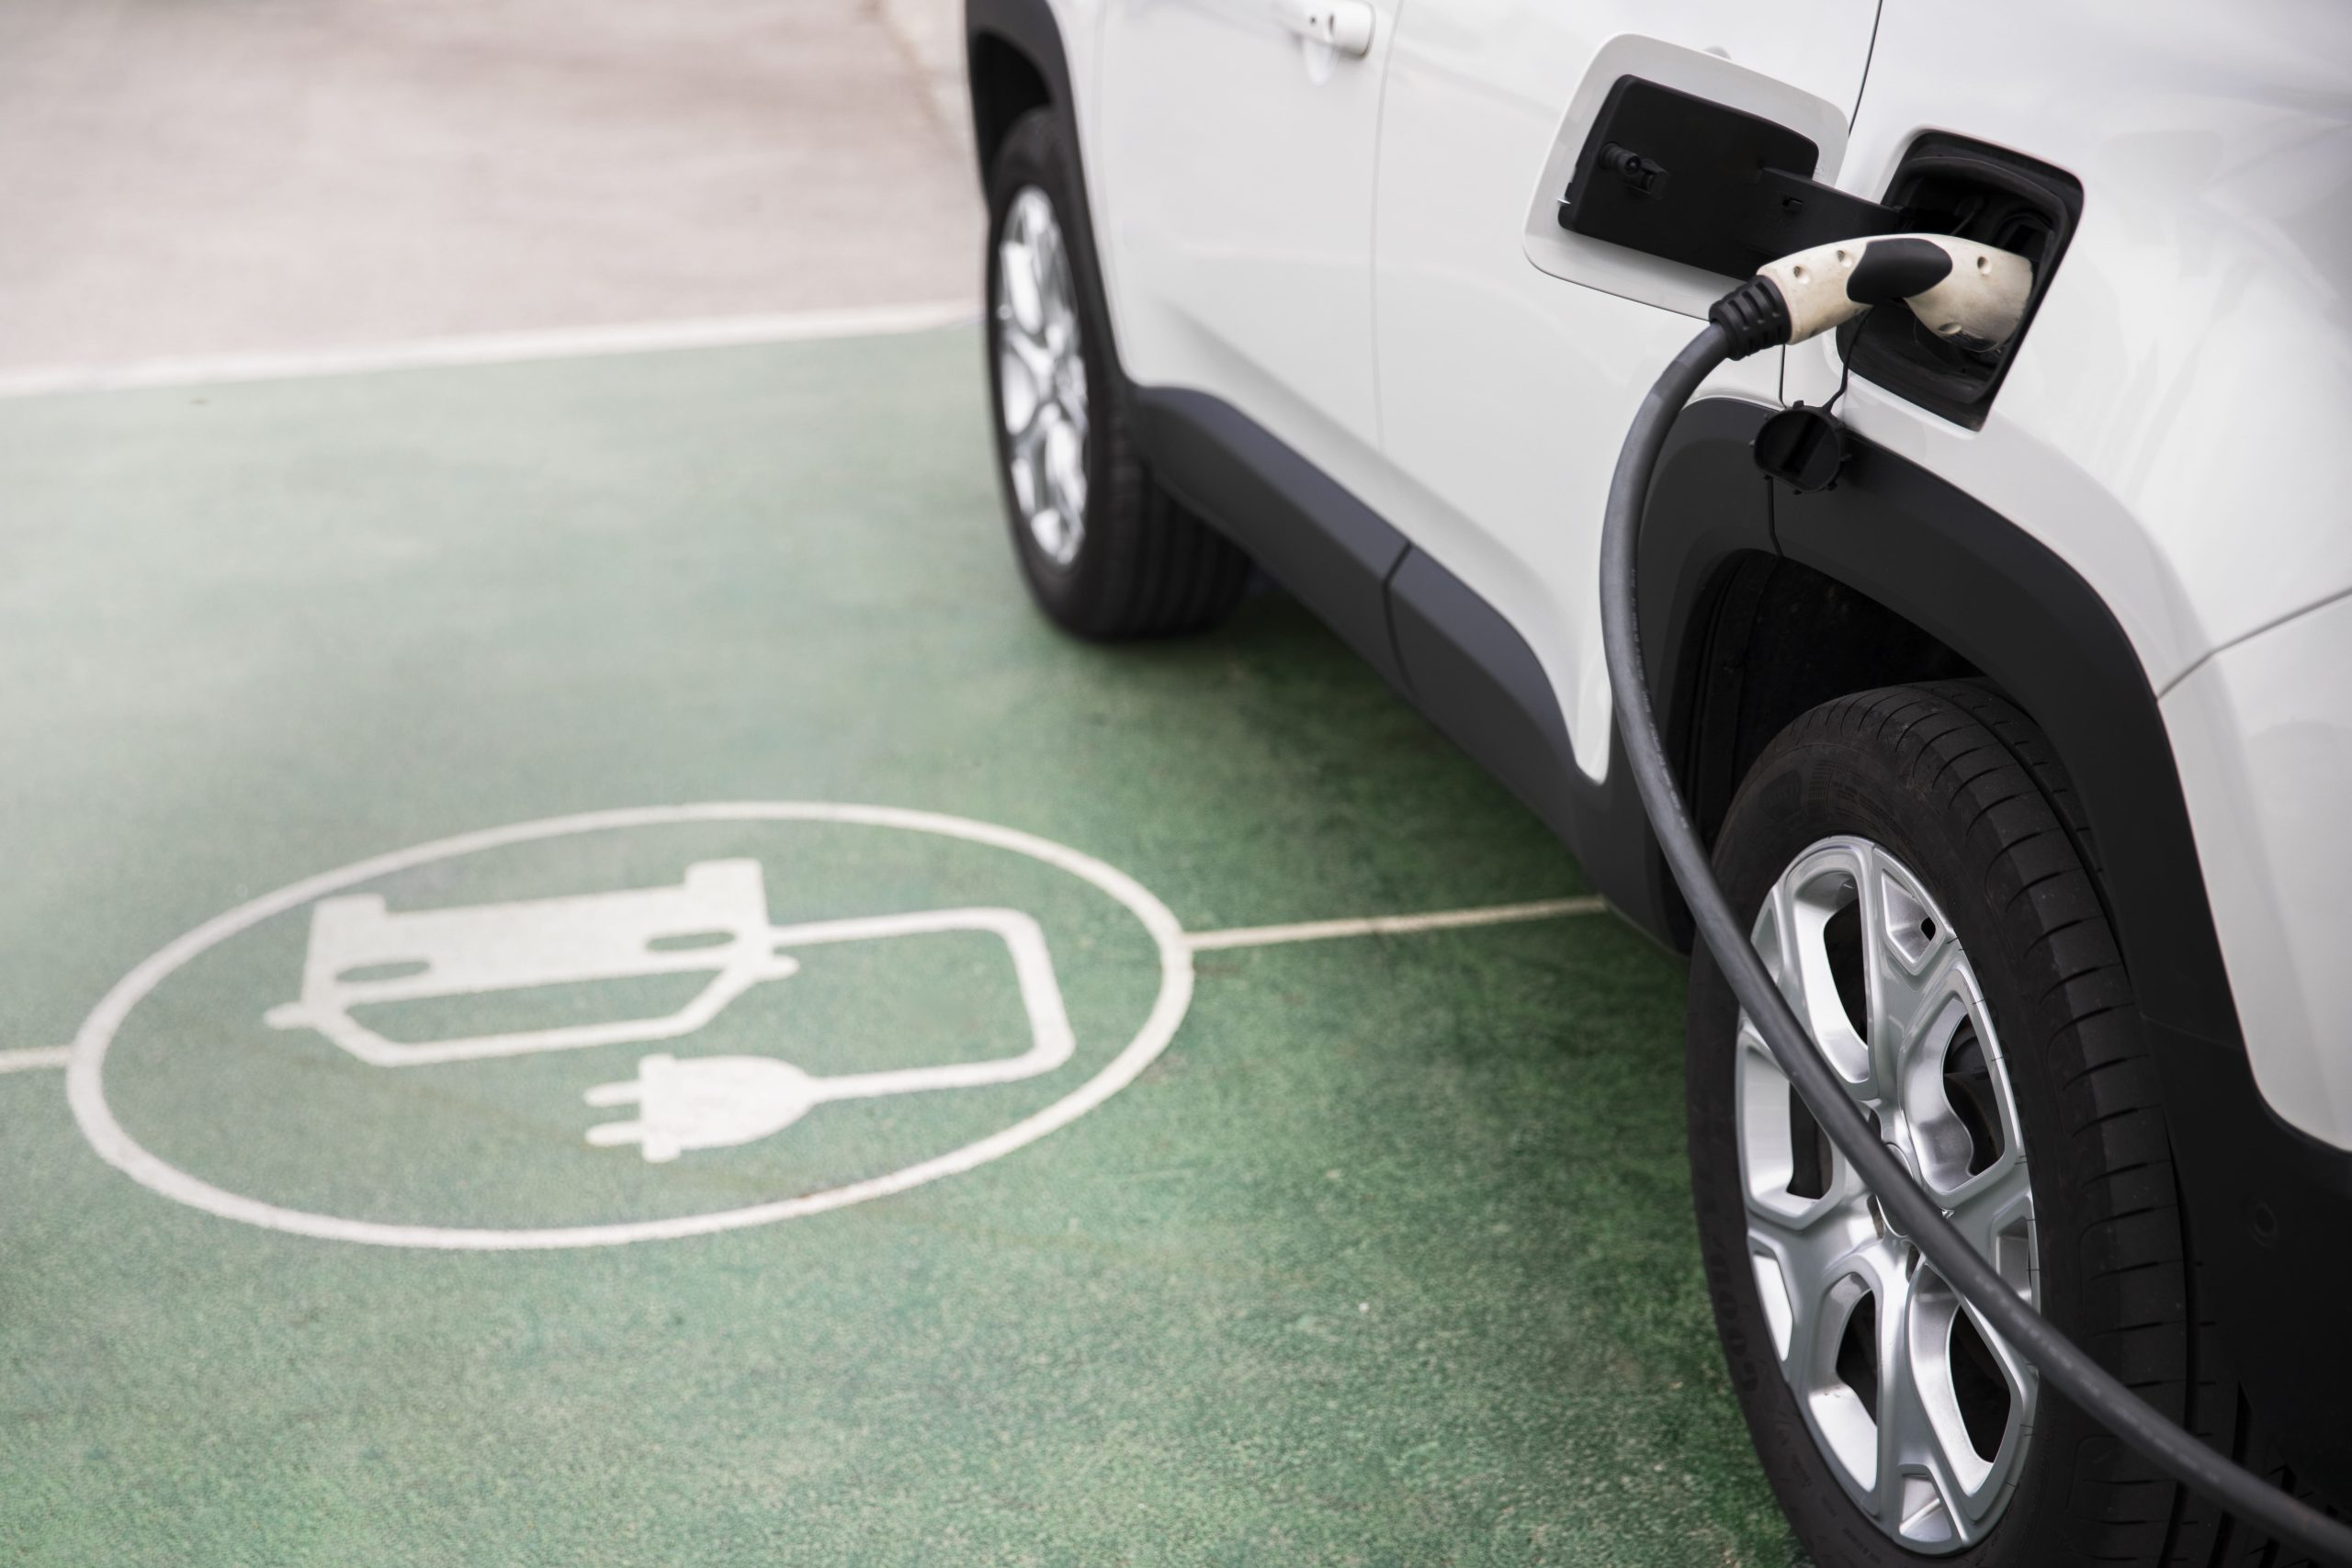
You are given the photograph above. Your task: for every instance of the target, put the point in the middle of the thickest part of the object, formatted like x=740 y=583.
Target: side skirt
x=1434 y=639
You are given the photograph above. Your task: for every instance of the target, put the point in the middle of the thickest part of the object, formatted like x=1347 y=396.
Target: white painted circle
x=84 y=1082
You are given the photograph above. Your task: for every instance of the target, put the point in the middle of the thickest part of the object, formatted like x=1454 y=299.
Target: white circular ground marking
x=85 y=1089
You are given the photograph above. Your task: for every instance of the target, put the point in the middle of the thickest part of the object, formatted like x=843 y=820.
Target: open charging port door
x=1720 y=189
x=1694 y=180
x=1948 y=185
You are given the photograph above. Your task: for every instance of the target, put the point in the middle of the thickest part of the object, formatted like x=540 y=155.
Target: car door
x=1236 y=145
x=1511 y=355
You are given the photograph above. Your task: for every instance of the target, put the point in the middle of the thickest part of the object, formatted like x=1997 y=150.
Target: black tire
x=1145 y=566
x=1960 y=786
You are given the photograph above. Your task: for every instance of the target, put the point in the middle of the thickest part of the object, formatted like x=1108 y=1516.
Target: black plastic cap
x=1804 y=447
x=1753 y=316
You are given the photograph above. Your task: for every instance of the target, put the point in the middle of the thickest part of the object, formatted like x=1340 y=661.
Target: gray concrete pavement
x=932 y=32
x=284 y=175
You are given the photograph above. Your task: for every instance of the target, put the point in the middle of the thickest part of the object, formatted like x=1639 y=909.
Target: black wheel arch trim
x=2005 y=602
x=1029 y=29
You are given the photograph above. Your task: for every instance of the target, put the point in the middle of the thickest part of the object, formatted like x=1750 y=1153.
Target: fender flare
x=1028 y=28
x=2000 y=599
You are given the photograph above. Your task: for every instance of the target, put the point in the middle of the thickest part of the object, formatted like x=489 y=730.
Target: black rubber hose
x=2066 y=1364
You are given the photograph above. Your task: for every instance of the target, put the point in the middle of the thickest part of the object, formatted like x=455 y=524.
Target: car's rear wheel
x=1918 y=893
x=1105 y=551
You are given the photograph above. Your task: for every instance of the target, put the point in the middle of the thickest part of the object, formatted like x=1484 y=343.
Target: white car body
x=1361 y=256
x=1339 y=247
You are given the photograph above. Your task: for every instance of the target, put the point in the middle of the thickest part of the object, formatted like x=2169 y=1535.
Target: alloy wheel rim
x=1041 y=377
x=1918 y=1407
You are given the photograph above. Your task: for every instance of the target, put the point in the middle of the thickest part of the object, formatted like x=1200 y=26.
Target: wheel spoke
x=1770 y=940
x=1902 y=1421
x=1020 y=267
x=1970 y=1483
x=1021 y=466
x=1803 y=906
x=1035 y=353
x=1057 y=323
x=1783 y=1178
x=1903 y=1006
x=1919 y=1497
x=1789 y=950
x=1017 y=281
x=1995 y=1208
x=1064 y=457
x=2017 y=1374
x=1028 y=444
x=1050 y=525
x=1933 y=1490
x=1020 y=393
x=1813 y=1251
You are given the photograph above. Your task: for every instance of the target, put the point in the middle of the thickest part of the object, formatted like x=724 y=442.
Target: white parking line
x=1395 y=925
x=25 y=1060
x=491 y=348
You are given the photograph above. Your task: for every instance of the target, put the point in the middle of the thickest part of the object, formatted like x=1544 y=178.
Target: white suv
x=2028 y=738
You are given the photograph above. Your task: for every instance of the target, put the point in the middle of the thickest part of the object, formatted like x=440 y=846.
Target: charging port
x=1948 y=185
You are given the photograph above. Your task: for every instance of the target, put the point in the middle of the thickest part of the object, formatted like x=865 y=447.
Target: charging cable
x=1976 y=296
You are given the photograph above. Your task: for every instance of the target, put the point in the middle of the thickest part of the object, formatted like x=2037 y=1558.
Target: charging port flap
x=1692 y=180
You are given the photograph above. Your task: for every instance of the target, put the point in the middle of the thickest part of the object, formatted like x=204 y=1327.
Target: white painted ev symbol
x=716 y=921
x=713 y=926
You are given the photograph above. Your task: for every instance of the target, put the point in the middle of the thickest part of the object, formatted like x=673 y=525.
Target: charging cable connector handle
x=1792 y=299
x=1963 y=292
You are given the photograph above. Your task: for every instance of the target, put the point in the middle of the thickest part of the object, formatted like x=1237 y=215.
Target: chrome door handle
x=1345 y=25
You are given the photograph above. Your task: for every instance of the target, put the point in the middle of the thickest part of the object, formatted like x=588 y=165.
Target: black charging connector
x=1754 y=317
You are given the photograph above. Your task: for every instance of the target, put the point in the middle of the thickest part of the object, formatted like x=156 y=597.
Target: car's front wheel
x=1105 y=551
x=1919 y=895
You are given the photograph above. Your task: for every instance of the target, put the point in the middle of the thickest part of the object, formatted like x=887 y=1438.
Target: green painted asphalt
x=1386 y=1259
